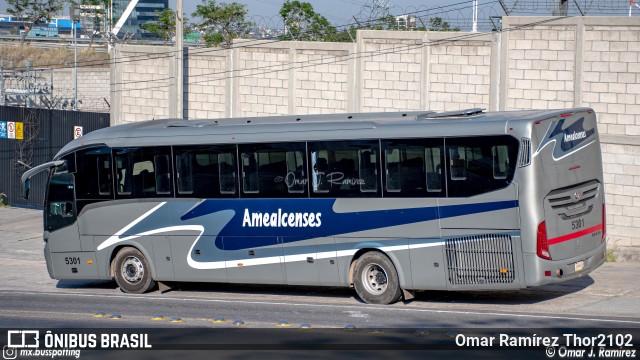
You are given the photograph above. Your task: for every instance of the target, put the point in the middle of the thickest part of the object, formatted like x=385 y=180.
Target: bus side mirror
x=26 y=177
x=26 y=185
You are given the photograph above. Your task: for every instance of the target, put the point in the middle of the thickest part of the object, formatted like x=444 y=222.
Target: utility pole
x=562 y=8
x=179 y=62
x=2 y=82
x=75 y=65
x=475 y=16
x=75 y=16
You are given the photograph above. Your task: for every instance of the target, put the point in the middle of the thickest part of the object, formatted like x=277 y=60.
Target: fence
x=40 y=134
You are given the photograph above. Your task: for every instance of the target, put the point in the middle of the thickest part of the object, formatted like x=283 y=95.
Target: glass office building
x=143 y=12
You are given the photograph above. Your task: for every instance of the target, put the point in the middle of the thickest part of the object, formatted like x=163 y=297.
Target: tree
x=222 y=23
x=437 y=24
x=345 y=35
x=164 y=27
x=33 y=11
x=303 y=23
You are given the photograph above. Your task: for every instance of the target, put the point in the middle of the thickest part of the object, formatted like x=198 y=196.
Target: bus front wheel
x=132 y=271
x=376 y=279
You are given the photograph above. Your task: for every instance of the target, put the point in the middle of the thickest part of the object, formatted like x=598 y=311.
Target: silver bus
x=386 y=203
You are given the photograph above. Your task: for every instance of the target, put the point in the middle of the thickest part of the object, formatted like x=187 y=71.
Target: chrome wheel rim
x=132 y=269
x=375 y=279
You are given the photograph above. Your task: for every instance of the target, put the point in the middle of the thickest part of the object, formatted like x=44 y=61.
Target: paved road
x=608 y=298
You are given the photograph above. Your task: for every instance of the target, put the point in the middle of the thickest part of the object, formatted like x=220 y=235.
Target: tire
x=376 y=279
x=132 y=271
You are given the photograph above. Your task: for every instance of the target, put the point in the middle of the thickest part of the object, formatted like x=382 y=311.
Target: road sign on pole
x=77 y=132
x=11 y=130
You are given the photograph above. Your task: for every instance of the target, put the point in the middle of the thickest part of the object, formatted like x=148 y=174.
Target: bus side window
x=486 y=164
x=458 y=164
x=392 y=170
x=434 y=169
x=368 y=170
x=500 y=161
x=143 y=175
x=345 y=168
x=104 y=174
x=197 y=170
x=320 y=167
x=143 y=172
x=250 y=183
x=123 y=174
x=273 y=170
x=163 y=174
x=295 y=178
x=413 y=167
x=94 y=179
x=227 y=171
x=184 y=173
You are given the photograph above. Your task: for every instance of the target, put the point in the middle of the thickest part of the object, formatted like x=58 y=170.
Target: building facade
x=143 y=12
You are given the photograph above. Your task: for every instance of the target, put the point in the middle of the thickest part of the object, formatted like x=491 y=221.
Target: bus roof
x=411 y=124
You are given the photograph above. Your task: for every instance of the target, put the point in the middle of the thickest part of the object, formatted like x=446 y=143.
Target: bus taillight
x=604 y=222
x=542 y=243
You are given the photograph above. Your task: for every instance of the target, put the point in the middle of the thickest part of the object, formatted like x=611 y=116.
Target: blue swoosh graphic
x=238 y=237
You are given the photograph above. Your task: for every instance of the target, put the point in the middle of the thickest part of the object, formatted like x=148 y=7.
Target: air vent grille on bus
x=525 y=152
x=480 y=259
x=575 y=201
x=584 y=194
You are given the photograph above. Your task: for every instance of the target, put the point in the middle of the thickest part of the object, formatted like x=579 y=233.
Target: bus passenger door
x=254 y=260
x=61 y=228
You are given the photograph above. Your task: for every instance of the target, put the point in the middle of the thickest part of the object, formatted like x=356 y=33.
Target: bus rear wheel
x=132 y=271
x=376 y=279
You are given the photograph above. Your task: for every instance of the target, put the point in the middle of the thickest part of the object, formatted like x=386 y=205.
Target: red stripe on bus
x=574 y=235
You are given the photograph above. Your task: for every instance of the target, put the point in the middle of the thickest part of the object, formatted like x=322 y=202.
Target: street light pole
x=475 y=16
x=179 y=63
x=75 y=65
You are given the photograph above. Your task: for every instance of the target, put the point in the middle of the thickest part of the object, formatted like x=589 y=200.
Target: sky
x=338 y=12
x=334 y=10
x=458 y=13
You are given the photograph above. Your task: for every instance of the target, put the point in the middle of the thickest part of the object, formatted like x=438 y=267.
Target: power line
x=305 y=64
x=223 y=72
x=171 y=53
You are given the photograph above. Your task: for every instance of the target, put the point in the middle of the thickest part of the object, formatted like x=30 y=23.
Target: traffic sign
x=11 y=130
x=77 y=132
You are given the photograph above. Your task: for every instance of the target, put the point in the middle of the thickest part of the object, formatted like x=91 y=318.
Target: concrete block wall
x=541 y=68
x=534 y=62
x=205 y=91
x=263 y=81
x=391 y=74
x=321 y=81
x=459 y=75
x=141 y=83
x=610 y=85
x=611 y=77
x=93 y=87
